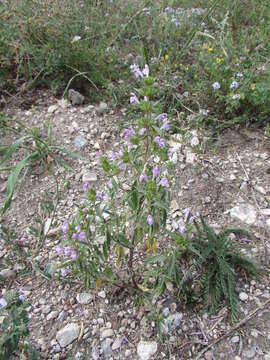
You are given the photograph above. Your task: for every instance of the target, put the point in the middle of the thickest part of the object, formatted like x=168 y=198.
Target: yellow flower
x=48 y=30
x=181 y=66
x=175 y=66
x=210 y=50
x=219 y=60
x=253 y=87
x=187 y=68
x=166 y=57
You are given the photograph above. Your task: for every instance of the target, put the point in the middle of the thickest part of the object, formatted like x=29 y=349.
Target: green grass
x=37 y=49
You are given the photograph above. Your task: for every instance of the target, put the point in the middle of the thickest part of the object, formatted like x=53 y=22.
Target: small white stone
x=52 y=109
x=243 y=296
x=106 y=333
x=102 y=294
x=146 y=349
x=84 y=298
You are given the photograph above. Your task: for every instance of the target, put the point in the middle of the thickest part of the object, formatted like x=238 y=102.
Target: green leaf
x=121 y=239
x=13 y=147
x=156 y=258
x=12 y=181
x=108 y=274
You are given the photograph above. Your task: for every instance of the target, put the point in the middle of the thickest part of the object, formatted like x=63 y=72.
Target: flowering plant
x=117 y=229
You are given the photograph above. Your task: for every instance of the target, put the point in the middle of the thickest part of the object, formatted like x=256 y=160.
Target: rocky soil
x=229 y=184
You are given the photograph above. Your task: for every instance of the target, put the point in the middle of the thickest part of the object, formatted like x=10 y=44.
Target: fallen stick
x=235 y=327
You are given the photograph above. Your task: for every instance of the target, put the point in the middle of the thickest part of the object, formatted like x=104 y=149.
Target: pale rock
x=102 y=108
x=102 y=294
x=106 y=333
x=63 y=103
x=84 y=298
x=96 y=146
x=89 y=176
x=117 y=343
x=79 y=142
x=243 y=296
x=52 y=109
x=235 y=339
x=146 y=349
x=245 y=213
x=52 y=315
x=260 y=189
x=75 y=97
x=7 y=274
x=68 y=334
x=106 y=348
x=232 y=177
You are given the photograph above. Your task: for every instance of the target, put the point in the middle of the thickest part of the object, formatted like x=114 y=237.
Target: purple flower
x=239 y=74
x=21 y=295
x=136 y=70
x=216 y=85
x=110 y=184
x=111 y=155
x=67 y=251
x=142 y=131
x=146 y=70
x=129 y=133
x=65 y=227
x=64 y=272
x=74 y=237
x=82 y=236
x=133 y=99
x=143 y=177
x=3 y=303
x=60 y=250
x=182 y=228
x=77 y=228
x=164 y=182
x=155 y=172
x=191 y=236
x=187 y=214
x=161 y=117
x=160 y=142
x=73 y=255
x=191 y=220
x=150 y=220
x=122 y=167
x=166 y=125
x=99 y=196
x=84 y=210
x=86 y=185
x=165 y=312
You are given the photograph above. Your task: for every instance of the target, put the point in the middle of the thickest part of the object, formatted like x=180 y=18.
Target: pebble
x=75 y=97
x=145 y=349
x=235 y=339
x=79 y=142
x=68 y=334
x=52 y=315
x=7 y=274
x=106 y=333
x=102 y=108
x=102 y=294
x=89 y=176
x=117 y=343
x=84 y=298
x=243 y=296
x=52 y=109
